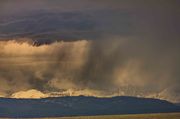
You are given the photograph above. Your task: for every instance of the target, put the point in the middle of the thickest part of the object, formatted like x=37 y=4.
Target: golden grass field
x=133 y=116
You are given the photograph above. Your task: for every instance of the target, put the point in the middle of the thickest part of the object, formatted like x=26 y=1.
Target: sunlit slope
x=138 y=116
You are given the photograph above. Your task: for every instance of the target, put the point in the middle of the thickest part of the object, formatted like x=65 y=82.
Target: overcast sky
x=127 y=45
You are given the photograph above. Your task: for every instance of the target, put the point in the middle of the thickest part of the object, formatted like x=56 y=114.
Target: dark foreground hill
x=81 y=105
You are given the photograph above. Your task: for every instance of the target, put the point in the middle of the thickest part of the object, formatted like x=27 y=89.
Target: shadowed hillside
x=81 y=105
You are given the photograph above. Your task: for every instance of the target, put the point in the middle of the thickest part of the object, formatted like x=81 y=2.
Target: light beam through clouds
x=90 y=47
x=93 y=68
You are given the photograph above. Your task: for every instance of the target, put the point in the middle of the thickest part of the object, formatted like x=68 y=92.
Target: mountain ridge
x=82 y=106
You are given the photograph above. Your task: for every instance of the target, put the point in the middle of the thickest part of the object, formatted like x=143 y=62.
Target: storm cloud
x=122 y=67
x=90 y=47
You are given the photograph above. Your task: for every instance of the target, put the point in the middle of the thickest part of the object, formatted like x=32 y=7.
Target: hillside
x=81 y=106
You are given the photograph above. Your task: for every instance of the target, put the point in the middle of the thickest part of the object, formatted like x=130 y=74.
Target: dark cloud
x=49 y=26
x=129 y=47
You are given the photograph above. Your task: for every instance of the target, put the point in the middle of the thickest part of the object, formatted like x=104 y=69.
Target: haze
x=90 y=47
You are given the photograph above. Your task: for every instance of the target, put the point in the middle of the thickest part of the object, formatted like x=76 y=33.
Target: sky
x=90 y=47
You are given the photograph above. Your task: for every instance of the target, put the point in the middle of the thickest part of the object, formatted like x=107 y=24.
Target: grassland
x=133 y=116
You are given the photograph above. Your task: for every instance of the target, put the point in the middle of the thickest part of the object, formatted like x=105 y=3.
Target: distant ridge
x=81 y=106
